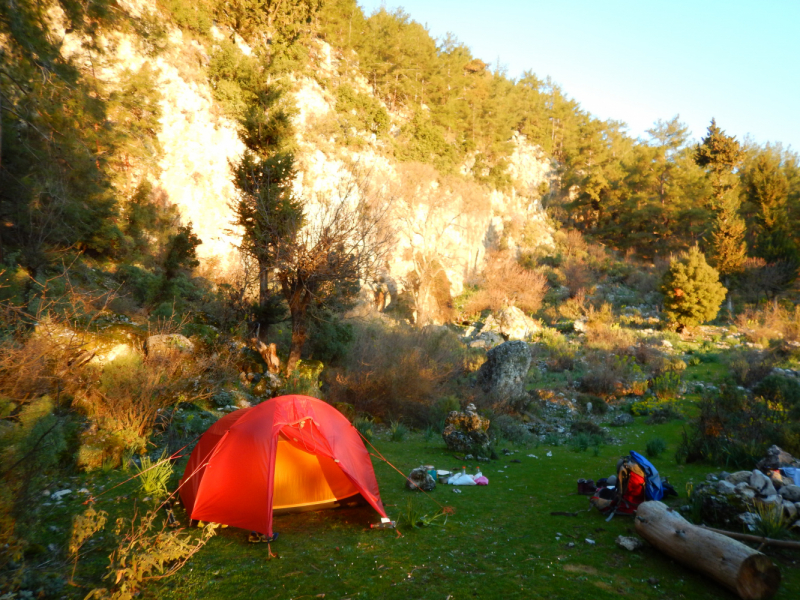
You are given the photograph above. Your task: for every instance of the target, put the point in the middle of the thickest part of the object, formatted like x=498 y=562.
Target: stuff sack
x=653 y=487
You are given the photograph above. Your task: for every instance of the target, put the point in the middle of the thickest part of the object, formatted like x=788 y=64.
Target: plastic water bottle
x=463 y=470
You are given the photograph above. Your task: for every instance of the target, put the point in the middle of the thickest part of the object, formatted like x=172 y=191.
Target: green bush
x=361 y=112
x=692 y=291
x=511 y=430
x=365 y=426
x=330 y=339
x=666 y=386
x=398 y=431
x=599 y=406
x=583 y=441
x=735 y=428
x=655 y=447
x=154 y=476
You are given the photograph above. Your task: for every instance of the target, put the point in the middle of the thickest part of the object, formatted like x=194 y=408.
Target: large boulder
x=504 y=372
x=168 y=344
x=466 y=431
x=512 y=324
x=761 y=484
x=487 y=339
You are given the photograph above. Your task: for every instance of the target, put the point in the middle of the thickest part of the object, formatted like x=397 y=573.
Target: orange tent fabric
x=288 y=452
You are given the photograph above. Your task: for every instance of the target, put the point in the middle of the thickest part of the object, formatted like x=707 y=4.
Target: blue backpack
x=653 y=488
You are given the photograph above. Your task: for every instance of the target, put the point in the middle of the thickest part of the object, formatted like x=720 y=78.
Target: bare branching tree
x=318 y=249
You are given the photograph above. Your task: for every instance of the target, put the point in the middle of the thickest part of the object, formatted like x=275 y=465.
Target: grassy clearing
x=501 y=542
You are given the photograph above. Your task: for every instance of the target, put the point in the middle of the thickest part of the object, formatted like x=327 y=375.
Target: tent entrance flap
x=304 y=479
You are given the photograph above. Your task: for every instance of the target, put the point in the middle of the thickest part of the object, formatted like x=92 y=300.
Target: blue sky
x=737 y=61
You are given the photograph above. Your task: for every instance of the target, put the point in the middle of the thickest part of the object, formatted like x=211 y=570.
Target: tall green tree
x=55 y=183
x=720 y=155
x=767 y=191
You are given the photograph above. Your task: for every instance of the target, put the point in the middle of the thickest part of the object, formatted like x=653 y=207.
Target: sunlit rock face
x=443 y=226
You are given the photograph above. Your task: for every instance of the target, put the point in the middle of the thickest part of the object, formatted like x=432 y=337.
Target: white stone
x=761 y=483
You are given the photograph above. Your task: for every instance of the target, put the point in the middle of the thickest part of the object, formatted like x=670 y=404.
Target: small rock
x=60 y=494
x=725 y=487
x=622 y=420
x=549 y=453
x=629 y=543
x=590 y=542
x=790 y=511
x=739 y=477
x=571 y=545
x=750 y=520
x=456 y=491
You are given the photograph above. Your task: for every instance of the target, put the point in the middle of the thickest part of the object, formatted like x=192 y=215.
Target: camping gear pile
x=425 y=477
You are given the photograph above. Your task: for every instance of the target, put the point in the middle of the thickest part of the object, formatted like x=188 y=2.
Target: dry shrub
x=506 y=283
x=771 y=322
x=610 y=376
x=603 y=333
x=395 y=372
x=127 y=398
x=748 y=366
x=574 y=308
x=577 y=276
x=43 y=339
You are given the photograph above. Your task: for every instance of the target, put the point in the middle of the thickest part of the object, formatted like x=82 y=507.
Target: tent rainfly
x=288 y=453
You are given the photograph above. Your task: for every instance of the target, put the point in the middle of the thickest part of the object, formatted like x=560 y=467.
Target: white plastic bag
x=461 y=479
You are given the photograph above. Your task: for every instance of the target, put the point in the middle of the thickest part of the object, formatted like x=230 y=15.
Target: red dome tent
x=292 y=452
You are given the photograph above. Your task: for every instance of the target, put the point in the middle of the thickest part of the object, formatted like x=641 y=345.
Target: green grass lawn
x=501 y=541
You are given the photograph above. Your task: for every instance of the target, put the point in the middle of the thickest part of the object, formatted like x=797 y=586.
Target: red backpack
x=628 y=494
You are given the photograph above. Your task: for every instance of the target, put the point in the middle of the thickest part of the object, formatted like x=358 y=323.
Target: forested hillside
x=73 y=146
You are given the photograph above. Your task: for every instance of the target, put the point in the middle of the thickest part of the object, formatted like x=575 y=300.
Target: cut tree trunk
x=745 y=571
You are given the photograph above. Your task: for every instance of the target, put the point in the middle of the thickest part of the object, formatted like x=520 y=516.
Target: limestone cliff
x=444 y=225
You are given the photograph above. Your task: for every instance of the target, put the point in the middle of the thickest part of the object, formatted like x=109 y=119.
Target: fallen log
x=756 y=539
x=747 y=572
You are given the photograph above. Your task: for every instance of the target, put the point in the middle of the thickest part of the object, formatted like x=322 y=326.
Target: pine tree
x=692 y=291
x=767 y=190
x=720 y=155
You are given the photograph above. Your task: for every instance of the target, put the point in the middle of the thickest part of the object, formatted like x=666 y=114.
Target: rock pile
x=466 y=431
x=764 y=486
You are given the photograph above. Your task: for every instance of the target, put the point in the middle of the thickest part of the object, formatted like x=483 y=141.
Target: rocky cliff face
x=443 y=225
